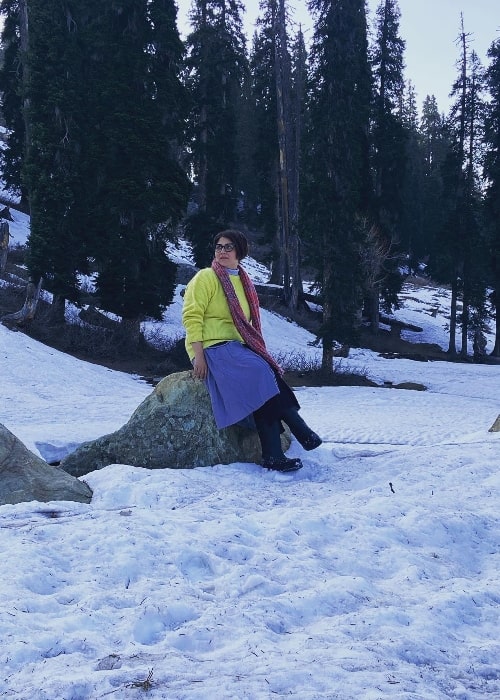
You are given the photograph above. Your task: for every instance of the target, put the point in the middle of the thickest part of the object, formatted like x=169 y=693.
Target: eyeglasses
x=227 y=247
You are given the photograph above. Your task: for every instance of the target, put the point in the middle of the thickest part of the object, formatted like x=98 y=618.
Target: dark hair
x=239 y=239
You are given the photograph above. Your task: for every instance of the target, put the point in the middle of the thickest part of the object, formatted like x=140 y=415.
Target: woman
x=225 y=344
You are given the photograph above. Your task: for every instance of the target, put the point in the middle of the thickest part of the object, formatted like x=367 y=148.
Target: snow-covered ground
x=372 y=573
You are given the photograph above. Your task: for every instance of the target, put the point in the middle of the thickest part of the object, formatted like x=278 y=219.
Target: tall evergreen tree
x=278 y=78
x=266 y=155
x=335 y=189
x=457 y=257
x=140 y=190
x=278 y=73
x=101 y=167
x=412 y=237
x=11 y=85
x=246 y=136
x=474 y=310
x=389 y=152
x=53 y=110
x=289 y=137
x=492 y=174
x=296 y=132
x=216 y=64
x=435 y=143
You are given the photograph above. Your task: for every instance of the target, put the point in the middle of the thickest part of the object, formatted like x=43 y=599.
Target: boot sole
x=284 y=470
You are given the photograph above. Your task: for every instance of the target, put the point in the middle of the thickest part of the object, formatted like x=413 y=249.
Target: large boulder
x=26 y=477
x=173 y=427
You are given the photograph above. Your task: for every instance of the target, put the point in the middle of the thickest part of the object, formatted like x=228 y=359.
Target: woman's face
x=227 y=258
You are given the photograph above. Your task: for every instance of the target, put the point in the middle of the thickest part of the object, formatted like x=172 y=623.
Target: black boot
x=270 y=440
x=307 y=437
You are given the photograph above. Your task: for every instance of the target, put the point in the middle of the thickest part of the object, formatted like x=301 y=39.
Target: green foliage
x=146 y=279
x=140 y=189
x=389 y=143
x=215 y=69
x=200 y=230
x=458 y=256
x=492 y=174
x=435 y=145
x=265 y=156
x=492 y=156
x=335 y=180
x=51 y=171
x=412 y=234
x=11 y=89
x=388 y=59
x=105 y=127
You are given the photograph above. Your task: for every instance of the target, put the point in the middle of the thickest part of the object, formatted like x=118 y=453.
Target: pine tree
x=266 y=154
x=335 y=182
x=389 y=151
x=296 y=130
x=216 y=64
x=139 y=189
x=492 y=175
x=105 y=119
x=53 y=112
x=474 y=267
x=11 y=82
x=246 y=136
x=435 y=145
x=458 y=255
x=412 y=236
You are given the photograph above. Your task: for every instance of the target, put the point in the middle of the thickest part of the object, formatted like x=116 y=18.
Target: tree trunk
x=203 y=162
x=452 y=348
x=288 y=141
x=496 y=305
x=465 y=311
x=277 y=266
x=327 y=357
x=24 y=44
x=294 y=243
x=374 y=301
x=4 y=245
x=284 y=226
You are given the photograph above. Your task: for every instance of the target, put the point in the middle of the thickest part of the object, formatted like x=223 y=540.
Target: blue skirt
x=239 y=382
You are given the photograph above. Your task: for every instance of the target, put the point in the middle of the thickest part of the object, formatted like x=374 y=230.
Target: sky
x=370 y=574
x=430 y=29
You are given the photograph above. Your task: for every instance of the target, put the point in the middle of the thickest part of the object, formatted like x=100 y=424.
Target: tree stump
x=27 y=313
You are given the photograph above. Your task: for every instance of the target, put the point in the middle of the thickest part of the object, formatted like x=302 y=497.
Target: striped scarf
x=250 y=332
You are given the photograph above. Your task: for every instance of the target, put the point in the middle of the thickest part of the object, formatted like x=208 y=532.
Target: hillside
x=95 y=338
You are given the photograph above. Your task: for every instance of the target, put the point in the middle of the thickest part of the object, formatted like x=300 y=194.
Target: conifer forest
x=122 y=136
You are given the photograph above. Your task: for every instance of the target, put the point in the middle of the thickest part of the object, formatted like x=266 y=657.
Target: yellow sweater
x=205 y=313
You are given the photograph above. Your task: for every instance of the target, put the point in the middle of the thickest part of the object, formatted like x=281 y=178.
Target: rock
x=174 y=428
x=412 y=386
x=495 y=428
x=26 y=477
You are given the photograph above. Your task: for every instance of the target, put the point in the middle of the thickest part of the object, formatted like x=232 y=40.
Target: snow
x=371 y=573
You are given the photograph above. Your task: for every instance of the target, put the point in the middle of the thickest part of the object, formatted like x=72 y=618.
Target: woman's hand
x=200 y=368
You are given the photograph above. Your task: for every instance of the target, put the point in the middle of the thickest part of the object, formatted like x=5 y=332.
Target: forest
x=122 y=137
